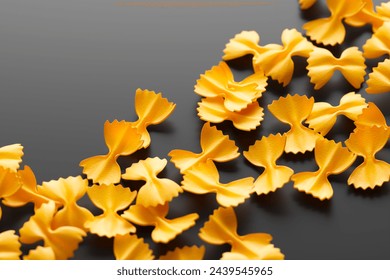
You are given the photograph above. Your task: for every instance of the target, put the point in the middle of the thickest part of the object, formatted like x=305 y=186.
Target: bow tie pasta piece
x=366 y=142
x=219 y=81
x=378 y=44
x=264 y=153
x=110 y=199
x=151 y=109
x=322 y=64
x=331 y=158
x=9 y=245
x=293 y=110
x=367 y=15
x=244 y=43
x=306 y=4
x=221 y=228
x=9 y=184
x=156 y=190
x=204 y=178
x=379 y=79
x=330 y=30
x=28 y=191
x=66 y=193
x=164 y=229
x=277 y=61
x=63 y=240
x=185 y=253
x=130 y=247
x=215 y=146
x=11 y=156
x=323 y=116
x=40 y=253
x=212 y=109
x=122 y=139
x=371 y=116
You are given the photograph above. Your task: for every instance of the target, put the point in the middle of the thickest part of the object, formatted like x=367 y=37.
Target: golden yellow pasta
x=65 y=193
x=378 y=44
x=379 y=79
x=293 y=110
x=366 y=142
x=9 y=245
x=185 y=253
x=244 y=43
x=151 y=109
x=204 y=178
x=371 y=116
x=221 y=228
x=122 y=138
x=331 y=158
x=156 y=190
x=264 y=153
x=306 y=4
x=277 y=61
x=164 y=229
x=40 y=253
x=11 y=156
x=323 y=116
x=219 y=81
x=322 y=65
x=9 y=184
x=130 y=247
x=368 y=15
x=110 y=199
x=62 y=240
x=215 y=145
x=330 y=30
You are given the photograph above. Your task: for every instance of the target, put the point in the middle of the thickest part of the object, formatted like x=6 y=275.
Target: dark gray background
x=67 y=66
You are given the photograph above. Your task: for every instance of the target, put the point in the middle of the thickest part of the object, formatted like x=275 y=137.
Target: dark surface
x=67 y=66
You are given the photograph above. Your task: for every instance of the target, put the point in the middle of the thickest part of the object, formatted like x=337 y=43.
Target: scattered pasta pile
x=61 y=224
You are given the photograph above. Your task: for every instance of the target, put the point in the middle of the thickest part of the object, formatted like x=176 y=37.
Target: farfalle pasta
x=323 y=115
x=378 y=44
x=371 y=116
x=204 y=178
x=244 y=43
x=331 y=158
x=185 y=253
x=156 y=190
x=293 y=110
x=11 y=156
x=164 y=229
x=322 y=65
x=379 y=79
x=264 y=153
x=110 y=199
x=130 y=247
x=366 y=142
x=215 y=146
x=9 y=245
x=40 y=253
x=221 y=228
x=368 y=15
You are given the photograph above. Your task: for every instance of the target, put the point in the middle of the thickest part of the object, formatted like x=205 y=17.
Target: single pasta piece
x=204 y=178
x=379 y=79
x=330 y=30
x=164 y=229
x=371 y=116
x=156 y=190
x=264 y=153
x=219 y=81
x=322 y=65
x=185 y=253
x=63 y=240
x=293 y=110
x=9 y=245
x=215 y=146
x=40 y=253
x=244 y=43
x=28 y=191
x=110 y=199
x=130 y=247
x=331 y=158
x=11 y=156
x=323 y=116
x=277 y=61
x=368 y=15
x=121 y=138
x=65 y=193
x=366 y=142
x=212 y=109
x=151 y=109
x=221 y=228
x=378 y=44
